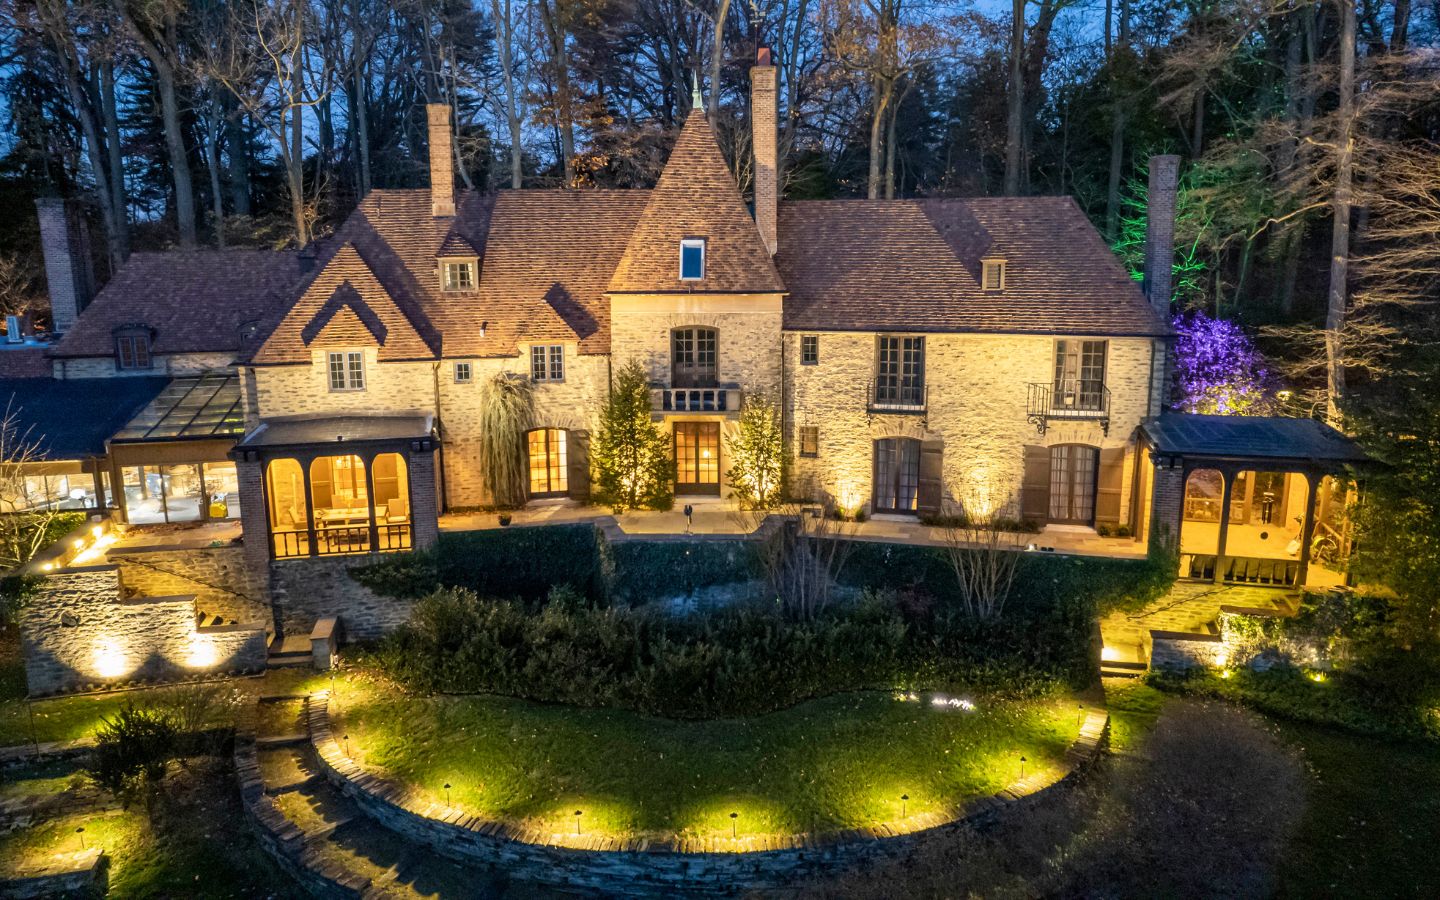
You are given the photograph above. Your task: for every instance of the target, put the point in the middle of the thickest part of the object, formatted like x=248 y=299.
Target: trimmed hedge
x=736 y=661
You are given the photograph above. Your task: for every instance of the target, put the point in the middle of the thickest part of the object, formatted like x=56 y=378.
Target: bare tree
x=25 y=528
x=803 y=553
x=1015 y=99
x=983 y=554
x=506 y=22
x=1338 y=294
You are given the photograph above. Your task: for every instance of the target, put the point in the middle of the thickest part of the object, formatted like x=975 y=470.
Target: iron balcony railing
x=888 y=396
x=1073 y=398
x=695 y=400
x=334 y=540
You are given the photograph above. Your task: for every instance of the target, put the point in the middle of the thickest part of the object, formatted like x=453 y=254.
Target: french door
x=1073 y=470
x=548 y=468
x=697 y=458
x=897 y=475
x=692 y=357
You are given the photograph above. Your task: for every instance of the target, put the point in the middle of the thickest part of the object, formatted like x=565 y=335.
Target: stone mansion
x=986 y=352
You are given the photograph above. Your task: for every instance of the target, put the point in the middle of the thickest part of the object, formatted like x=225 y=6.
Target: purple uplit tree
x=1218 y=371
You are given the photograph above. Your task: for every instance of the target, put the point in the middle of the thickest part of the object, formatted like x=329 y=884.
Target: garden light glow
x=952 y=703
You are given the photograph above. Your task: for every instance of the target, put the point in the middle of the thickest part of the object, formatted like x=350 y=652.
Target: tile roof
x=696 y=197
x=1251 y=437
x=196 y=301
x=288 y=431
x=915 y=265
x=73 y=419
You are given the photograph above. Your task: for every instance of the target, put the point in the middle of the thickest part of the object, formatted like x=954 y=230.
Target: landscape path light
x=346 y=739
x=80 y=830
x=577 y=821
x=733 y=817
x=447 y=793
x=1022 y=768
x=904 y=799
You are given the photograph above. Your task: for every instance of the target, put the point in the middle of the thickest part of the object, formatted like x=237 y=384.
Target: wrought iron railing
x=888 y=396
x=335 y=540
x=1071 y=398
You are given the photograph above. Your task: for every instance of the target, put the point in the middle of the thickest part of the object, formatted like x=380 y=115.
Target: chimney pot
x=442 y=161
x=763 y=141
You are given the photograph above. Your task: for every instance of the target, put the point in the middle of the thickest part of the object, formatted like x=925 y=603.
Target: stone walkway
x=1189 y=607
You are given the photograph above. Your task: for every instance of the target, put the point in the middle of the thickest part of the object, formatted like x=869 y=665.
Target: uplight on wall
x=110 y=660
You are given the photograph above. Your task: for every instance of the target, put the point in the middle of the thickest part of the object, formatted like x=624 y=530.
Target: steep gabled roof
x=346 y=305
x=196 y=301
x=696 y=197
x=455 y=244
x=914 y=265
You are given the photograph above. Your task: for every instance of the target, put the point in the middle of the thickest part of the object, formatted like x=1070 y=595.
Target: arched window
x=1204 y=492
x=1073 y=470
x=392 y=488
x=692 y=357
x=548 y=462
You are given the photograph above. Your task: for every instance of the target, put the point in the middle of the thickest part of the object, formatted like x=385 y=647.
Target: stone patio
x=1190 y=607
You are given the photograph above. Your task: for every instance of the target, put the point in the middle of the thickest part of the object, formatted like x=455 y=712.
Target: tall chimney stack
x=442 y=161
x=763 y=141
x=69 y=272
x=1160 y=232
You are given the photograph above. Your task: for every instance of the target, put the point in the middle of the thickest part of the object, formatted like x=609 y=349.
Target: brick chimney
x=763 y=141
x=1160 y=232
x=69 y=272
x=442 y=161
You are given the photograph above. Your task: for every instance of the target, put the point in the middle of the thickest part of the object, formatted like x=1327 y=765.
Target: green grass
x=839 y=762
x=1373 y=824
x=1134 y=707
x=51 y=777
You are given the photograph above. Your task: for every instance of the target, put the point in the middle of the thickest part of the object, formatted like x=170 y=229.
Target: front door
x=549 y=471
x=697 y=458
x=897 y=475
x=1073 y=468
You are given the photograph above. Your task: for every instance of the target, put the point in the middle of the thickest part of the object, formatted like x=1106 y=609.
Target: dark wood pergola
x=1187 y=442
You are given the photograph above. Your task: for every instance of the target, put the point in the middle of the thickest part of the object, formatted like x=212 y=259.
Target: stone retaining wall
x=307 y=590
x=219 y=578
x=660 y=868
x=1177 y=651
x=80 y=633
x=78 y=874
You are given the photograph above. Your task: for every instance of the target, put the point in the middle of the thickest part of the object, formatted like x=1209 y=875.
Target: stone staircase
x=323 y=838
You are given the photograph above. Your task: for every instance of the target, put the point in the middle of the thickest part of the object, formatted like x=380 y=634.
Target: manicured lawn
x=1134 y=707
x=1373 y=824
x=839 y=762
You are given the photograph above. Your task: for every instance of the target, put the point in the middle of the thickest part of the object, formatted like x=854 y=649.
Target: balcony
x=672 y=401
x=901 y=399
x=1069 y=400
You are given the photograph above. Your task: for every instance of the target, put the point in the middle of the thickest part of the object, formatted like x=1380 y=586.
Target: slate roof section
x=696 y=197
x=455 y=245
x=289 y=432
x=73 y=419
x=1251 y=438
x=914 y=265
x=196 y=301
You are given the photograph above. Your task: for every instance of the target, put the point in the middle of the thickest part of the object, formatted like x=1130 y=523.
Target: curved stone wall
x=648 y=867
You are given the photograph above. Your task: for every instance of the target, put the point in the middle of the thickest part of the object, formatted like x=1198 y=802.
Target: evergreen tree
x=631 y=455
x=757 y=450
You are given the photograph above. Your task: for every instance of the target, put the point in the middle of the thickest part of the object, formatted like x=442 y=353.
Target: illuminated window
x=347 y=370
x=548 y=467
x=692 y=259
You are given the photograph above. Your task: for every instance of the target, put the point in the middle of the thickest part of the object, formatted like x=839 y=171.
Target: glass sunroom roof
x=191 y=406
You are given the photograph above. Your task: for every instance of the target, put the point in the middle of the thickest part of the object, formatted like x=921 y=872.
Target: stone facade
x=1175 y=651
x=223 y=583
x=307 y=590
x=83 y=632
x=165 y=364
x=975 y=406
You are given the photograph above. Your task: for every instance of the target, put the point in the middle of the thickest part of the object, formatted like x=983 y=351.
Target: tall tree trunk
x=1015 y=109
x=1117 y=127
x=1197 y=131
x=212 y=163
x=557 y=35
x=237 y=139
x=880 y=102
x=1338 y=295
x=890 y=149
x=717 y=55
x=115 y=158
x=504 y=46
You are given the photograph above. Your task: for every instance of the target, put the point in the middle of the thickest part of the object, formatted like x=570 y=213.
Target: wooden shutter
x=577 y=464
x=931 y=485
x=1035 y=488
x=1107 y=486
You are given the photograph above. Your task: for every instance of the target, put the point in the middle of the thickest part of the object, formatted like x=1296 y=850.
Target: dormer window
x=992 y=274
x=458 y=274
x=132 y=348
x=692 y=259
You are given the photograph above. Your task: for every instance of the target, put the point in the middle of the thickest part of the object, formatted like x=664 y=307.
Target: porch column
x=99 y=485
x=370 y=500
x=1228 y=475
x=1307 y=528
x=309 y=507
x=254 y=512
x=1167 y=505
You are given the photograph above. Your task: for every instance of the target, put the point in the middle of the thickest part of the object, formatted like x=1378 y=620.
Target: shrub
x=740 y=660
x=133 y=750
x=630 y=454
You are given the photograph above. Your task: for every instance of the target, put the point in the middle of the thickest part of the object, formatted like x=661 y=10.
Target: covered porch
x=1250 y=500
x=339 y=484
